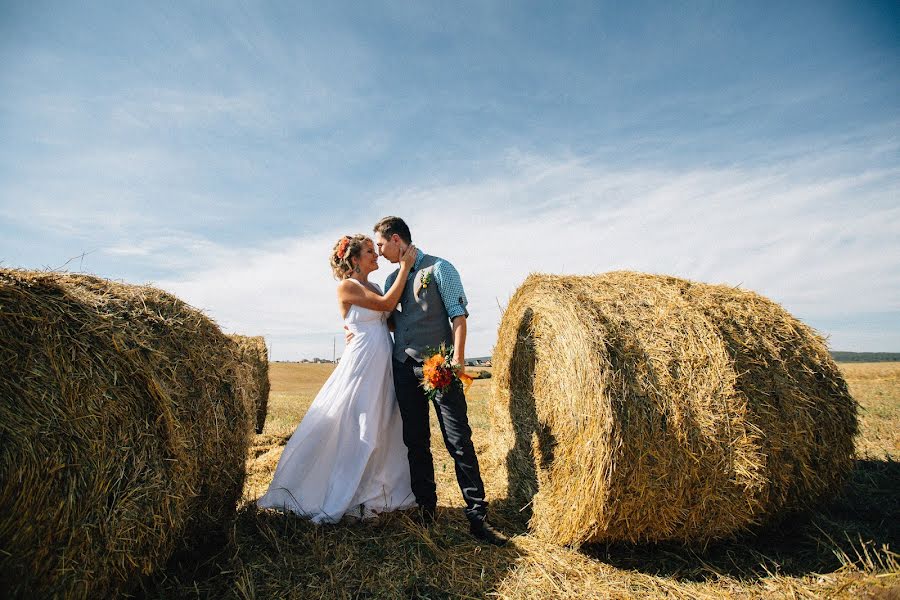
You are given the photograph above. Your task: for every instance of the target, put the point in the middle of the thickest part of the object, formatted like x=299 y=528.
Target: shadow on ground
x=272 y=555
x=855 y=528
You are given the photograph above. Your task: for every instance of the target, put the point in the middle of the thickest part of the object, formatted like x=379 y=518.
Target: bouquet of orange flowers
x=439 y=373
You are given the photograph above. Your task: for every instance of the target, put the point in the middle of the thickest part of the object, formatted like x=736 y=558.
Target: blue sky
x=219 y=149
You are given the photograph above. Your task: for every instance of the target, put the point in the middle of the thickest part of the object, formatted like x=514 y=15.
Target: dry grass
x=876 y=386
x=838 y=551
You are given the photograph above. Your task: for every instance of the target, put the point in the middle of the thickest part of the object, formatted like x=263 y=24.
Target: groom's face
x=389 y=248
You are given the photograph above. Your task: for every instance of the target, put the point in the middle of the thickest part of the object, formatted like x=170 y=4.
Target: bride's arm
x=350 y=293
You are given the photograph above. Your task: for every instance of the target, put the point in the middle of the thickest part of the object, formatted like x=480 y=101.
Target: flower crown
x=342 y=247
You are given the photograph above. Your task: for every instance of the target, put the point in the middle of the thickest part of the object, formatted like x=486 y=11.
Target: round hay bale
x=255 y=355
x=124 y=427
x=635 y=407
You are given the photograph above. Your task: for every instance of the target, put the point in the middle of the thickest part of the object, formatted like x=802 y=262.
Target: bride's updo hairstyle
x=346 y=248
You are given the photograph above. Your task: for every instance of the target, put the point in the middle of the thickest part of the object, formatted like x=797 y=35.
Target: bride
x=347 y=454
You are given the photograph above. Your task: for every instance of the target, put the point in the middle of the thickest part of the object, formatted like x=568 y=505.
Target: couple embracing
x=364 y=446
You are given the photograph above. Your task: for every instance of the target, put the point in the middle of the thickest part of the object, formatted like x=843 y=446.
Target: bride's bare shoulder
x=346 y=288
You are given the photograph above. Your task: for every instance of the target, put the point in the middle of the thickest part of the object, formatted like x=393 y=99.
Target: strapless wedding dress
x=347 y=454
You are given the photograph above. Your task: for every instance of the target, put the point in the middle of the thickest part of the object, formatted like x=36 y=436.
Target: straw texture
x=255 y=355
x=124 y=426
x=634 y=407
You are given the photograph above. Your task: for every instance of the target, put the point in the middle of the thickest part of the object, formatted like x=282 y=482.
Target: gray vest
x=420 y=319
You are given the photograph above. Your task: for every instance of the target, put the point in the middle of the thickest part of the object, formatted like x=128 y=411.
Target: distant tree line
x=866 y=356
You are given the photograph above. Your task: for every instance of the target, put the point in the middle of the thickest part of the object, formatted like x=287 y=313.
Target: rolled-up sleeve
x=451 y=288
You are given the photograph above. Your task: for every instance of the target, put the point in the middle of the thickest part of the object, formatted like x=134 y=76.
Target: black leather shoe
x=486 y=532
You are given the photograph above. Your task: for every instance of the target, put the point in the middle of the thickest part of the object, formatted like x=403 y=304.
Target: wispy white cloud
x=798 y=240
x=172 y=107
x=283 y=290
x=764 y=230
x=188 y=145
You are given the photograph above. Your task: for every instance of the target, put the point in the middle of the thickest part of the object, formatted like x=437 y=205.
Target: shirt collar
x=419 y=256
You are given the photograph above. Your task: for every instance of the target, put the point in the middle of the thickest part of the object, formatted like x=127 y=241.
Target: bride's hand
x=408 y=258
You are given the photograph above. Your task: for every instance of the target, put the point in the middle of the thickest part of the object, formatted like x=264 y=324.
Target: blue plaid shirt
x=449 y=284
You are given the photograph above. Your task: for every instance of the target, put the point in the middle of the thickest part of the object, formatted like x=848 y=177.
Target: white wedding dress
x=347 y=454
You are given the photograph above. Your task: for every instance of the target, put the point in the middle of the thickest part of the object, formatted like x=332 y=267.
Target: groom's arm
x=454 y=297
x=459 y=342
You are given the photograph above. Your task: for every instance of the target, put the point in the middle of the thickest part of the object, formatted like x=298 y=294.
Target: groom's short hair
x=388 y=226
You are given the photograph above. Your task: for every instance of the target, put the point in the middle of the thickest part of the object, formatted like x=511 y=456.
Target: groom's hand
x=348 y=335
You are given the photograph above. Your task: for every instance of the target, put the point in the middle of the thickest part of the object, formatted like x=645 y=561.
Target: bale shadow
x=275 y=555
x=202 y=559
x=531 y=437
x=854 y=528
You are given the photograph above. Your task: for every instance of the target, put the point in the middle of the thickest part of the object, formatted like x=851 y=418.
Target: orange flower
x=438 y=373
x=342 y=249
x=443 y=378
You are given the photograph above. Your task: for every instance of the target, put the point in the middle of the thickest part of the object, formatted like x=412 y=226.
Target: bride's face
x=368 y=258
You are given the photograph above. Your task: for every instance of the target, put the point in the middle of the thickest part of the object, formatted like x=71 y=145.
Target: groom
x=432 y=311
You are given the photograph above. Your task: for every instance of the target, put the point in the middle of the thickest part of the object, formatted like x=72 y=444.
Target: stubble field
x=845 y=549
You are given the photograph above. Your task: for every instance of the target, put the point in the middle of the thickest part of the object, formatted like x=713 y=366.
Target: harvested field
x=124 y=423
x=877 y=387
x=843 y=549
